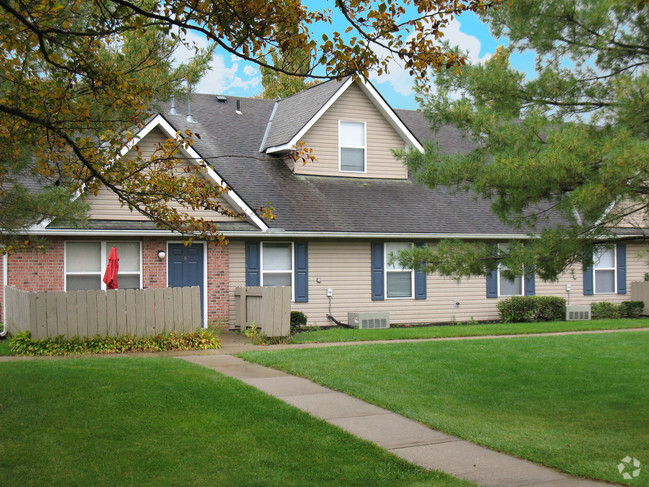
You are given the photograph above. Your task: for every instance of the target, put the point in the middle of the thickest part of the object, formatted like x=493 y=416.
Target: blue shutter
x=378 y=283
x=301 y=272
x=530 y=284
x=420 y=281
x=253 y=267
x=492 y=284
x=588 y=275
x=621 y=268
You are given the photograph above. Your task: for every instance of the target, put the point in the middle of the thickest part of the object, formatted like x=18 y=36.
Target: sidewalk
x=401 y=436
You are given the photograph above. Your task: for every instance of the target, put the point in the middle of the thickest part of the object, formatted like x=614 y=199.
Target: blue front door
x=186 y=266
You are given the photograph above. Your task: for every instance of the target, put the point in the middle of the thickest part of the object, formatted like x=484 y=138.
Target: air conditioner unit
x=576 y=312
x=369 y=320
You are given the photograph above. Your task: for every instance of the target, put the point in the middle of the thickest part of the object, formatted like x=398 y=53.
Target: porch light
x=161 y=254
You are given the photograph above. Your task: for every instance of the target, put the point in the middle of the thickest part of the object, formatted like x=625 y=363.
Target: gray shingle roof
x=230 y=143
x=294 y=112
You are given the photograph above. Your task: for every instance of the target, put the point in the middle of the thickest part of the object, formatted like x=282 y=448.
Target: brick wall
x=38 y=271
x=154 y=270
x=218 y=282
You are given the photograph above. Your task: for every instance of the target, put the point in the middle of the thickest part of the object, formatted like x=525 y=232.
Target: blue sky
x=234 y=77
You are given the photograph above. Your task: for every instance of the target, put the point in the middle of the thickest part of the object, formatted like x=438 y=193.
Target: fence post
x=640 y=292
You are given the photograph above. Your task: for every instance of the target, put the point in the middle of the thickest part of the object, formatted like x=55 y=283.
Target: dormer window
x=351 y=140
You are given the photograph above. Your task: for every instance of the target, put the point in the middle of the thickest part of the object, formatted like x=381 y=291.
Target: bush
x=520 y=309
x=605 y=311
x=632 y=309
x=298 y=321
x=24 y=344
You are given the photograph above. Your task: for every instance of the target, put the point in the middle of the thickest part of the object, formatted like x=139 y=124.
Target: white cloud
x=249 y=70
x=221 y=77
x=402 y=82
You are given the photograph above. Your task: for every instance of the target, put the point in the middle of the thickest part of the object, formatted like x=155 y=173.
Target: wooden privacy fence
x=640 y=292
x=139 y=312
x=268 y=306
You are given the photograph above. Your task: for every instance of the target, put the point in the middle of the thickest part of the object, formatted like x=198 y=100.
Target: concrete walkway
x=401 y=436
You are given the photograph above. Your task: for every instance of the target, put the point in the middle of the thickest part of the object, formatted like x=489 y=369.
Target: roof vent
x=221 y=98
x=172 y=109
x=239 y=112
x=189 y=117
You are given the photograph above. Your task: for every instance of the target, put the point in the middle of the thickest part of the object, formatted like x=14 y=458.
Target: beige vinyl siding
x=637 y=214
x=106 y=206
x=353 y=106
x=344 y=266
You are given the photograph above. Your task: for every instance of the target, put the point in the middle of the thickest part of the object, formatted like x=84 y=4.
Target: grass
x=157 y=421
x=347 y=335
x=577 y=403
x=4 y=347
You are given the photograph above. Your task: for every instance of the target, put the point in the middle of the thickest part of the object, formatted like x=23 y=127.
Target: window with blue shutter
x=253 y=264
x=589 y=289
x=420 y=281
x=378 y=283
x=608 y=268
x=276 y=267
x=492 y=284
x=301 y=272
x=530 y=284
x=621 y=268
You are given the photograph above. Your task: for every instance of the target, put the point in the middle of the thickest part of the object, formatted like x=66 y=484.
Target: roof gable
x=294 y=116
x=229 y=195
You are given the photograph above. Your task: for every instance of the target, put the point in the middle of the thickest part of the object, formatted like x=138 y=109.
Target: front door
x=186 y=266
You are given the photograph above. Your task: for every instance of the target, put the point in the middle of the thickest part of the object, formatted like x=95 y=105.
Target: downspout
x=4 y=301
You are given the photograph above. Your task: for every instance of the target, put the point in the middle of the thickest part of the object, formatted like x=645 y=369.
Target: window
x=604 y=266
x=351 y=138
x=279 y=264
x=276 y=264
x=399 y=281
x=508 y=287
x=84 y=269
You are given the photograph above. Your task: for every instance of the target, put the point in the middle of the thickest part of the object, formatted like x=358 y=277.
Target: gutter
x=271 y=233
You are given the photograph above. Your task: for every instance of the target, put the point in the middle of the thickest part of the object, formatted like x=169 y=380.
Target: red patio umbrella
x=110 y=277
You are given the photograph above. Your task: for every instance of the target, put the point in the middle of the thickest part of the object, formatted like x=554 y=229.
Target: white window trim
x=262 y=271
x=103 y=257
x=500 y=269
x=614 y=269
x=522 y=292
x=386 y=257
x=340 y=147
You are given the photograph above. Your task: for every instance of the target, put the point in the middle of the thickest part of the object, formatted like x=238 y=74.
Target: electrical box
x=330 y=292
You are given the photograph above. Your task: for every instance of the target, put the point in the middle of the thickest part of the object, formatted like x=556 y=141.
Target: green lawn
x=4 y=347
x=155 y=421
x=577 y=403
x=347 y=335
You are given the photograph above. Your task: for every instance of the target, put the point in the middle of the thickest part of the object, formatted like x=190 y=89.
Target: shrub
x=605 y=311
x=298 y=320
x=519 y=309
x=24 y=344
x=631 y=309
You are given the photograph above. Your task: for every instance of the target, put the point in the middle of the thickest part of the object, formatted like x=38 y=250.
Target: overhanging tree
x=279 y=85
x=573 y=142
x=79 y=77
